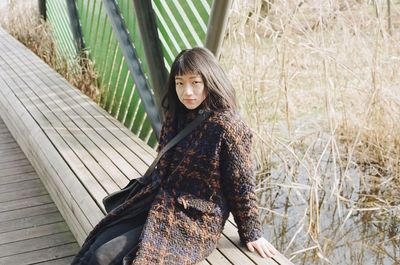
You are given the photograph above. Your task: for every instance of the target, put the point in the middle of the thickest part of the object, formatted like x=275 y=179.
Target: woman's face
x=190 y=90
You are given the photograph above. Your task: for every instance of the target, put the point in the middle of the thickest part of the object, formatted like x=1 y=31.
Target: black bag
x=115 y=199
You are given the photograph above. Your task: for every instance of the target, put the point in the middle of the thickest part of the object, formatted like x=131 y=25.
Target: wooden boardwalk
x=32 y=230
x=79 y=152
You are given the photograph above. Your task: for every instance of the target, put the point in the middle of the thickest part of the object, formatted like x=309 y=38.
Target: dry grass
x=319 y=83
x=23 y=22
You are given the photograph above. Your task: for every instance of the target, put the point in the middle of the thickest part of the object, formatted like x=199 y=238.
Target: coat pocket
x=191 y=202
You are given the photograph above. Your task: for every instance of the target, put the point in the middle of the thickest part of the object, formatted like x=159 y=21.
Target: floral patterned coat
x=199 y=182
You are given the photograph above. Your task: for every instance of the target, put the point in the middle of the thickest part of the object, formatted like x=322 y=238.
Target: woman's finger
x=267 y=251
x=260 y=250
x=250 y=247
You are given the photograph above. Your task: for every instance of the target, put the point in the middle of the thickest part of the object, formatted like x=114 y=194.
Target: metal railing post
x=42 y=9
x=132 y=61
x=217 y=25
x=75 y=25
x=152 y=48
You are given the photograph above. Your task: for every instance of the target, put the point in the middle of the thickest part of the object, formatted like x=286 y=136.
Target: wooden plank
x=119 y=147
x=18 y=178
x=13 y=164
x=232 y=253
x=94 y=109
x=101 y=166
x=6 y=141
x=28 y=212
x=99 y=137
x=78 y=167
x=233 y=236
x=91 y=119
x=231 y=232
x=75 y=217
x=32 y=221
x=11 y=155
x=9 y=146
x=95 y=160
x=9 y=97
x=16 y=170
x=62 y=261
x=12 y=187
x=87 y=136
x=216 y=257
x=84 y=141
x=22 y=194
x=24 y=203
x=41 y=255
x=3 y=128
x=33 y=232
x=5 y=135
x=79 y=227
x=99 y=118
x=90 y=215
x=3 y=131
x=76 y=95
x=36 y=243
x=6 y=138
x=10 y=151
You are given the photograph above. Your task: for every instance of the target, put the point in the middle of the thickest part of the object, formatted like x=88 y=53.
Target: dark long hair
x=220 y=92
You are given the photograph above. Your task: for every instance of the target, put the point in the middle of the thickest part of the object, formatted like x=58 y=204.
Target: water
x=326 y=215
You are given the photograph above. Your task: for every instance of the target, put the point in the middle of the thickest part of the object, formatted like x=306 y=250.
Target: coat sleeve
x=238 y=181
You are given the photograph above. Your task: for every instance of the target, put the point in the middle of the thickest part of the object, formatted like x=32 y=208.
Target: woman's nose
x=188 y=90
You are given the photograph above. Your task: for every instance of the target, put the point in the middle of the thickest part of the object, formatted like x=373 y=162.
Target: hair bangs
x=186 y=65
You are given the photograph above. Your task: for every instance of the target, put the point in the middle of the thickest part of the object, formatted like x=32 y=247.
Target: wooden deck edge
x=27 y=138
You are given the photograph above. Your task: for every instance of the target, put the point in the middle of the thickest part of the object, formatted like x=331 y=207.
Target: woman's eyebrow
x=190 y=77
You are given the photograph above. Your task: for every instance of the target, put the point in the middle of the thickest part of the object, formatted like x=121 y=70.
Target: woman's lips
x=189 y=100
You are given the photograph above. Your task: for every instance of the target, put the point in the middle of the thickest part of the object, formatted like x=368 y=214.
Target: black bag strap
x=182 y=134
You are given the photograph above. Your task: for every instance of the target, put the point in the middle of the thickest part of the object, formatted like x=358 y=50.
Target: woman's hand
x=263 y=247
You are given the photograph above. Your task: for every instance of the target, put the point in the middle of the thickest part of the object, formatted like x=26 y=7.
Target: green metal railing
x=57 y=15
x=181 y=24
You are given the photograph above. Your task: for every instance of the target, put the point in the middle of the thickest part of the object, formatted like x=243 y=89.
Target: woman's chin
x=191 y=106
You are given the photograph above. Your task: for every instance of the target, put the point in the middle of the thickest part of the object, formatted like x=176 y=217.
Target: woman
x=196 y=184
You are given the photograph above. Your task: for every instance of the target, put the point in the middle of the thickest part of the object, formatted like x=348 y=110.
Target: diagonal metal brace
x=75 y=25
x=131 y=58
x=217 y=25
x=152 y=48
x=42 y=9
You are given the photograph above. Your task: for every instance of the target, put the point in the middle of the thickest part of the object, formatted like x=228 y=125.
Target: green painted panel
x=181 y=24
x=57 y=14
x=132 y=110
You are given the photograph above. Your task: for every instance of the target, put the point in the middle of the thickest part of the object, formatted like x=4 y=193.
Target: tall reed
x=319 y=83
